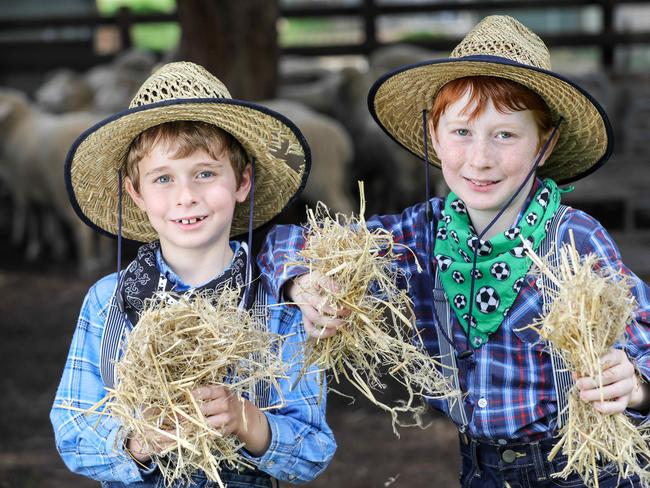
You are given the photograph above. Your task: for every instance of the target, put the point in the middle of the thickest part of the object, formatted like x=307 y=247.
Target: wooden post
x=370 y=23
x=608 y=49
x=236 y=41
x=124 y=23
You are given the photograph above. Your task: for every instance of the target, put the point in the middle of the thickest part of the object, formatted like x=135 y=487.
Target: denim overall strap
x=113 y=334
x=448 y=353
x=561 y=374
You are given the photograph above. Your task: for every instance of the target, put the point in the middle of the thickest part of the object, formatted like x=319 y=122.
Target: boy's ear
x=133 y=193
x=244 y=185
x=432 y=135
x=551 y=145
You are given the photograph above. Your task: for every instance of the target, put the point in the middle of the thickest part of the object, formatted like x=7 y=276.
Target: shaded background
x=75 y=61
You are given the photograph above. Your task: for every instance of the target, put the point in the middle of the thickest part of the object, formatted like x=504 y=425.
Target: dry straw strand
x=589 y=312
x=181 y=343
x=379 y=335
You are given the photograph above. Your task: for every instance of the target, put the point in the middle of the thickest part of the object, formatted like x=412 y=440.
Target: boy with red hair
x=505 y=130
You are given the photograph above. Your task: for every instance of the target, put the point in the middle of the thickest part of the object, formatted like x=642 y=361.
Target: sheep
x=331 y=150
x=115 y=84
x=392 y=175
x=107 y=88
x=33 y=148
x=63 y=91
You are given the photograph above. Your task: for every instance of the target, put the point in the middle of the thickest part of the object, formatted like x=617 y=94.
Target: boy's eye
x=206 y=174
x=462 y=132
x=163 y=179
x=504 y=135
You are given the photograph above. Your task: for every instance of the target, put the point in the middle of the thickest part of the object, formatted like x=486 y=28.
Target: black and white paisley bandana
x=142 y=279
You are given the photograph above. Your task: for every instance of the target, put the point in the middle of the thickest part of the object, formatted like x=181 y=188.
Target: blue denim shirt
x=302 y=444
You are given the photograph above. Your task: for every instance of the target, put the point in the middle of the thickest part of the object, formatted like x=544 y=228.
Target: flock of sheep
x=328 y=105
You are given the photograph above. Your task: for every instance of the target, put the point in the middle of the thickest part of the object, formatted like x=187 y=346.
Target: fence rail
x=18 y=54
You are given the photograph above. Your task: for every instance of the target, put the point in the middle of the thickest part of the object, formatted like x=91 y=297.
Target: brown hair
x=507 y=96
x=187 y=136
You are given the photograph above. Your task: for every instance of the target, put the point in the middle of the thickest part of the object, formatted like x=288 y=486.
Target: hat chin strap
x=249 y=270
x=468 y=352
x=119 y=221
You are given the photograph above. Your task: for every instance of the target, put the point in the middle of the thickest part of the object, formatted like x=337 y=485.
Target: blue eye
x=163 y=179
x=206 y=174
x=462 y=132
x=505 y=135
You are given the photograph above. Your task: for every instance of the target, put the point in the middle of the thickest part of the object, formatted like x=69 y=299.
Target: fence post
x=370 y=20
x=124 y=23
x=609 y=46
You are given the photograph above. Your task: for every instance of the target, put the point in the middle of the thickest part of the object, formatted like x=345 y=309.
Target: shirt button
x=291 y=477
x=509 y=455
x=270 y=463
x=502 y=442
x=482 y=403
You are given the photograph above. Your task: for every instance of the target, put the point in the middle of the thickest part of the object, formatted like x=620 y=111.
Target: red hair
x=507 y=96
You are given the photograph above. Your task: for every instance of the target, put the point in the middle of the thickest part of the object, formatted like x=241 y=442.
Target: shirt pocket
x=525 y=312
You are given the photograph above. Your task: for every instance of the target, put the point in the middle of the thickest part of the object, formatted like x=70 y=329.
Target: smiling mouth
x=190 y=220
x=482 y=182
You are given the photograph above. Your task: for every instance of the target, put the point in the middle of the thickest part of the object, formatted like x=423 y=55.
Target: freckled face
x=486 y=159
x=189 y=201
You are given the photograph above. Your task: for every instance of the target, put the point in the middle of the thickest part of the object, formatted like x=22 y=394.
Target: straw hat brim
x=282 y=161
x=397 y=99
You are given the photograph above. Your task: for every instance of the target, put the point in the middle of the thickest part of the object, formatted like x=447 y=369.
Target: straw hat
x=185 y=91
x=502 y=47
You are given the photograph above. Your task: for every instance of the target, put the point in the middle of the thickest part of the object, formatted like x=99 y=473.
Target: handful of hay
x=180 y=344
x=379 y=333
x=588 y=315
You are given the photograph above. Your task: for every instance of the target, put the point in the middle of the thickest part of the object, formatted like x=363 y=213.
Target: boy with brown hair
x=505 y=130
x=193 y=157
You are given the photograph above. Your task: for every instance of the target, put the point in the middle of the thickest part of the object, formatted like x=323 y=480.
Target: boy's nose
x=481 y=155
x=186 y=195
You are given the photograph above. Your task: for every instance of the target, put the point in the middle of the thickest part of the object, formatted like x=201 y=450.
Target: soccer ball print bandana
x=501 y=263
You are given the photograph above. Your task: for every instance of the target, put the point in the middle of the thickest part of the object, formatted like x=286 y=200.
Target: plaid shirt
x=302 y=443
x=509 y=384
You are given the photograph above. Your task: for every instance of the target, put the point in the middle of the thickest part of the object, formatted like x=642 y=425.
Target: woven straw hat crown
x=185 y=91
x=499 y=46
x=506 y=38
x=179 y=80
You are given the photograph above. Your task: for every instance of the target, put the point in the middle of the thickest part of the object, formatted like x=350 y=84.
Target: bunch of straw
x=379 y=333
x=180 y=344
x=591 y=306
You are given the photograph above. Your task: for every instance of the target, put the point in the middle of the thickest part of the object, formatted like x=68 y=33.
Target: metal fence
x=79 y=54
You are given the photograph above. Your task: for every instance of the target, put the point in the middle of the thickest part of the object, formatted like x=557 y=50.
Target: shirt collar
x=172 y=277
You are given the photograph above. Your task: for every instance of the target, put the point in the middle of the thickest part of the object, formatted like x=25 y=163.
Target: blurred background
x=67 y=64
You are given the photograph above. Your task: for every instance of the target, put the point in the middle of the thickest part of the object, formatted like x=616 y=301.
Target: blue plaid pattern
x=509 y=385
x=302 y=444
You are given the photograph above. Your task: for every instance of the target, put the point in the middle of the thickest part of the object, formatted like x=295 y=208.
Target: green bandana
x=501 y=263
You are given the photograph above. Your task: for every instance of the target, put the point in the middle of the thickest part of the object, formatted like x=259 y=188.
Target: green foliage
x=109 y=7
x=161 y=36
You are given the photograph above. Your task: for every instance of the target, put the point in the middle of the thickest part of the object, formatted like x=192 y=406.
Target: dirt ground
x=38 y=310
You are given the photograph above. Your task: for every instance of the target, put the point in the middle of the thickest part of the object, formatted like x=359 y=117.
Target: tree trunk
x=236 y=40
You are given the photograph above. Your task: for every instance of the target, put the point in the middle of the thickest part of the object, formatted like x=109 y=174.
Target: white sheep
x=394 y=178
x=331 y=151
x=33 y=148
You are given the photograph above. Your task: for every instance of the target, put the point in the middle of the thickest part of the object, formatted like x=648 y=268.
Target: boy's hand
x=225 y=411
x=621 y=387
x=308 y=291
x=135 y=444
x=222 y=408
